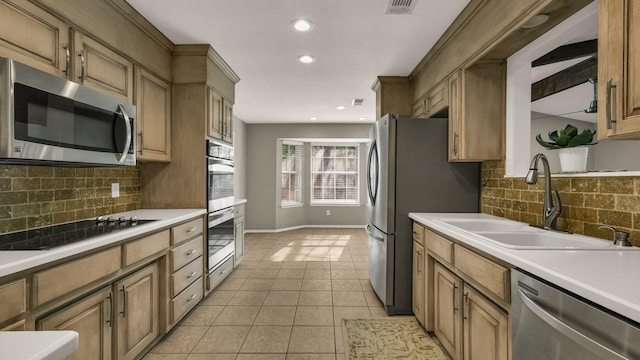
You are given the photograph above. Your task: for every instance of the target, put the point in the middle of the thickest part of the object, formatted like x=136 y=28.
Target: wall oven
x=219 y=176
x=220 y=200
x=48 y=119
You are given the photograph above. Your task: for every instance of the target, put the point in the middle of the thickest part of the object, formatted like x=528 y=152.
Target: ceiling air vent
x=357 y=102
x=400 y=7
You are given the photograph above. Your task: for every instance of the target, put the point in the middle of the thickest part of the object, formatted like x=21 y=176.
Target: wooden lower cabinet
x=137 y=311
x=447 y=310
x=121 y=319
x=419 y=281
x=92 y=318
x=486 y=328
x=468 y=325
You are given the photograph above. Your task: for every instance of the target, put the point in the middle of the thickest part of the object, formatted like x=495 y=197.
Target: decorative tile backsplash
x=34 y=196
x=587 y=202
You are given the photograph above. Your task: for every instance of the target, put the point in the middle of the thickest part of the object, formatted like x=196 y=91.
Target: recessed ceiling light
x=340 y=107
x=362 y=118
x=302 y=25
x=536 y=21
x=313 y=118
x=306 y=59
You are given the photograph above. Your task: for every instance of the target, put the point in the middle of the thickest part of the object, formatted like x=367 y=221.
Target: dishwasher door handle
x=371 y=234
x=568 y=331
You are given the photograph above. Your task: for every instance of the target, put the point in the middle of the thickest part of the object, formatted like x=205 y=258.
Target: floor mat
x=395 y=337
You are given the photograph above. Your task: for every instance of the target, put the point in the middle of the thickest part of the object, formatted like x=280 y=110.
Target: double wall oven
x=220 y=200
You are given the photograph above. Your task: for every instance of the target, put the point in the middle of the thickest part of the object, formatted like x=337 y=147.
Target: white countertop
x=15 y=261
x=37 y=345
x=609 y=278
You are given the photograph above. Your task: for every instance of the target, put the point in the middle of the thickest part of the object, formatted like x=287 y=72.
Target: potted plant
x=571 y=146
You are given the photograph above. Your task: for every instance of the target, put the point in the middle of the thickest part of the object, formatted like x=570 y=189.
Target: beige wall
x=240 y=163
x=263 y=207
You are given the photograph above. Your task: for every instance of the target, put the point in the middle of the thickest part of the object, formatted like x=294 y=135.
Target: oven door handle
x=221 y=217
x=568 y=331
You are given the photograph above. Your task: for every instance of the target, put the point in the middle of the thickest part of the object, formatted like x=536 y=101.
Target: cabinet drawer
x=220 y=273
x=185 y=276
x=62 y=279
x=491 y=276
x=14 y=299
x=145 y=247
x=186 y=300
x=185 y=253
x=438 y=245
x=418 y=233
x=185 y=231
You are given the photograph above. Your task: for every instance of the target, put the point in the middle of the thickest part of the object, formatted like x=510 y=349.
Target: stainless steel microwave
x=45 y=119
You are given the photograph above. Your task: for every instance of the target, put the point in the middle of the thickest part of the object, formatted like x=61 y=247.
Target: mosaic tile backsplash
x=34 y=196
x=587 y=202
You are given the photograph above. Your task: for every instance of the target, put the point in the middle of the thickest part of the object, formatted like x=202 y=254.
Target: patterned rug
x=396 y=337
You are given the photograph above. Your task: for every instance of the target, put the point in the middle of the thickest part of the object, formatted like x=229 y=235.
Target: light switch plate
x=115 y=190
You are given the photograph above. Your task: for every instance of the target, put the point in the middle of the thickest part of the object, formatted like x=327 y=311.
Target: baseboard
x=303 y=227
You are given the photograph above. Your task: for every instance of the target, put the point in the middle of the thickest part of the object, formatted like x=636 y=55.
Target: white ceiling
x=352 y=40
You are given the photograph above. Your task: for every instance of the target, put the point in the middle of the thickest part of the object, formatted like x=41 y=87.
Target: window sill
x=334 y=204
x=291 y=205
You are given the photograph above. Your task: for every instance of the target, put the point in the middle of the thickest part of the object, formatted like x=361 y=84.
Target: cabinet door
x=438 y=99
x=486 y=331
x=137 y=317
x=419 y=108
x=477 y=112
x=215 y=113
x=34 y=37
x=619 y=69
x=239 y=236
x=227 y=123
x=418 y=282
x=455 y=116
x=92 y=318
x=153 y=111
x=448 y=310
x=102 y=69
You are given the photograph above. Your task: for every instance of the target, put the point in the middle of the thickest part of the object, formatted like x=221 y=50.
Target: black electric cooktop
x=49 y=237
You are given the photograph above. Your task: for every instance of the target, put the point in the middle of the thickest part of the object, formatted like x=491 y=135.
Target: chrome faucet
x=551 y=208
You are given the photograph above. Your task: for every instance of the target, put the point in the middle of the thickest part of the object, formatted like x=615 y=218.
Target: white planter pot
x=573 y=159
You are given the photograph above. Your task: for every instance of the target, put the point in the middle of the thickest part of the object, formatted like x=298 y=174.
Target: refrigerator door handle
x=372 y=186
x=371 y=234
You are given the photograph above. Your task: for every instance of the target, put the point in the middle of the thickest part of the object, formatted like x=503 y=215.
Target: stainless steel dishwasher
x=551 y=323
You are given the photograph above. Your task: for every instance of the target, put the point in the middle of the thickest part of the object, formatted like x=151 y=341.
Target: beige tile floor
x=284 y=302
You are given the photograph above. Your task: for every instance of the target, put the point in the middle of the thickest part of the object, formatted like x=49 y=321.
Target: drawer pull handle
x=192 y=230
x=191 y=275
x=191 y=252
x=192 y=297
x=224 y=271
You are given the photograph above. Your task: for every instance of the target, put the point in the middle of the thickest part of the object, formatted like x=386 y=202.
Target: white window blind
x=334 y=173
x=291 y=173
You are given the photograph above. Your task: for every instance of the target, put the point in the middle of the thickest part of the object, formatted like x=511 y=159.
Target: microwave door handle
x=127 y=142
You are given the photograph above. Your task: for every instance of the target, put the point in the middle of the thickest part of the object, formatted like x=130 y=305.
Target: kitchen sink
x=544 y=239
x=520 y=236
x=492 y=225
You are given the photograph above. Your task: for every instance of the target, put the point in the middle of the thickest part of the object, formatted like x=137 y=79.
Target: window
x=334 y=173
x=291 y=173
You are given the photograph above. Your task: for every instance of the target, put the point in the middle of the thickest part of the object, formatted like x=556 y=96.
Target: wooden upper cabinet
x=437 y=99
x=477 y=112
x=153 y=110
x=227 y=121
x=34 y=37
x=102 y=69
x=215 y=113
x=419 y=108
x=619 y=69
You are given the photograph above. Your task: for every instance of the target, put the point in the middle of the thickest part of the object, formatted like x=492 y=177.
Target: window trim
x=299 y=202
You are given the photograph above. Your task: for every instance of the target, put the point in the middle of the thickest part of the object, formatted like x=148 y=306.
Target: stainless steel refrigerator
x=408 y=171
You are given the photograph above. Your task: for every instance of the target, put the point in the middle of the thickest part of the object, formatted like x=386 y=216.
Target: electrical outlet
x=328 y=212
x=115 y=190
